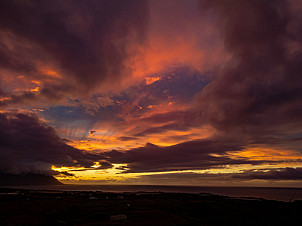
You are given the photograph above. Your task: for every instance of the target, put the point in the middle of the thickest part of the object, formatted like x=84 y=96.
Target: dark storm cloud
x=19 y=59
x=185 y=156
x=27 y=145
x=272 y=174
x=105 y=165
x=2 y=93
x=127 y=138
x=87 y=41
x=259 y=91
x=23 y=98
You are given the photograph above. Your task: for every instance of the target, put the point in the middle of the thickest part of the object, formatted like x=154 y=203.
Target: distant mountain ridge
x=27 y=179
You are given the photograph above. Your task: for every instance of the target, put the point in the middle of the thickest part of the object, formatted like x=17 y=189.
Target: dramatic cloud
x=254 y=99
x=185 y=156
x=70 y=46
x=259 y=91
x=178 y=34
x=207 y=84
x=28 y=145
x=272 y=174
x=275 y=176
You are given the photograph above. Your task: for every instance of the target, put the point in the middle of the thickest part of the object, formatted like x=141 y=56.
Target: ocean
x=271 y=193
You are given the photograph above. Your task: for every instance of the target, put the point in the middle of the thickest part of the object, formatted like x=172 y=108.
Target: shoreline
x=271 y=193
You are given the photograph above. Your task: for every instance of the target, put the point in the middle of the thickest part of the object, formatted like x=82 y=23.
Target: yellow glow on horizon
x=94 y=173
x=116 y=175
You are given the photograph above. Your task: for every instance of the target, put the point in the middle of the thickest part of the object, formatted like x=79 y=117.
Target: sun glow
x=264 y=153
x=93 y=173
x=150 y=80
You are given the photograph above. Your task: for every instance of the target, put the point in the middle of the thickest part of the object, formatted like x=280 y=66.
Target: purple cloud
x=28 y=145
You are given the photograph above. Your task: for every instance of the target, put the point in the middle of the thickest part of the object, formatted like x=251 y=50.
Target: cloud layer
x=71 y=46
x=28 y=145
x=259 y=90
x=206 y=84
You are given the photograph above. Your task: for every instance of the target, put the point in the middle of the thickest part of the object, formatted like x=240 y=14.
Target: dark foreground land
x=28 y=207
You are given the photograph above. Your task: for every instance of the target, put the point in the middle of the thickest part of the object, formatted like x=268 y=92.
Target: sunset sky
x=176 y=92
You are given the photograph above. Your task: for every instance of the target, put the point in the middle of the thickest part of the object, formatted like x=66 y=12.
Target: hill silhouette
x=27 y=179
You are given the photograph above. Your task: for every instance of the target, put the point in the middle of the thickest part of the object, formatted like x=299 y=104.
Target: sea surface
x=280 y=194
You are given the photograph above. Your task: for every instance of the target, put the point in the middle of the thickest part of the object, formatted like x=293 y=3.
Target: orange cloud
x=266 y=154
x=150 y=80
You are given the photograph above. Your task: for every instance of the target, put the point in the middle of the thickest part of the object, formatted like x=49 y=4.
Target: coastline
x=271 y=193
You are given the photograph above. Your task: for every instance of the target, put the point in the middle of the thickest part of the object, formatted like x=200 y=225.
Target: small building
x=118 y=217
